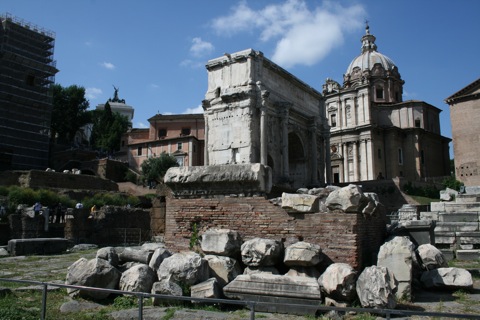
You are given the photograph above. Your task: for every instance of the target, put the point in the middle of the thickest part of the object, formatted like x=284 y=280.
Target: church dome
x=369 y=57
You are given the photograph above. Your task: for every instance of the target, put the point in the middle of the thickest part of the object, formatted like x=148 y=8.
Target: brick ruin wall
x=348 y=238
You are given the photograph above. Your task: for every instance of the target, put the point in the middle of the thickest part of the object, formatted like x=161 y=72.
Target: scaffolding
x=27 y=71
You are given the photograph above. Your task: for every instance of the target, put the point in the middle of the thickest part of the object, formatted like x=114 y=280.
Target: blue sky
x=155 y=51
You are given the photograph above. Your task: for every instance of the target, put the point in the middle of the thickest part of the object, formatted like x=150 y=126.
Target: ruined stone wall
x=465 y=117
x=348 y=238
x=109 y=226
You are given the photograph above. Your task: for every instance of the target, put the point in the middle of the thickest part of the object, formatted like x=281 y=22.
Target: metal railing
x=249 y=304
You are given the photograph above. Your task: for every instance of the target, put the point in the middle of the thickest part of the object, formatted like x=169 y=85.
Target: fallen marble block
x=277 y=292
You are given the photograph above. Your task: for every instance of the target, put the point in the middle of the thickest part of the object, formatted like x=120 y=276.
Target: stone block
x=467 y=198
x=208 y=289
x=219 y=179
x=276 y=289
x=448 y=254
x=456 y=227
x=468 y=237
x=437 y=206
x=468 y=254
x=458 y=217
x=294 y=202
x=18 y=247
x=445 y=238
x=429 y=215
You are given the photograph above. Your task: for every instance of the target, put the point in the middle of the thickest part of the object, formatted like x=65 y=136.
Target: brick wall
x=348 y=238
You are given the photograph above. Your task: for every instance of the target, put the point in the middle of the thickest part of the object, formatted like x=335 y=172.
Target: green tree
x=154 y=168
x=69 y=112
x=108 y=128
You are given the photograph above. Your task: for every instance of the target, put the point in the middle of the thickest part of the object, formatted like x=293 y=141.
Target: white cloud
x=154 y=86
x=200 y=48
x=141 y=125
x=198 y=109
x=301 y=35
x=192 y=64
x=92 y=93
x=108 y=65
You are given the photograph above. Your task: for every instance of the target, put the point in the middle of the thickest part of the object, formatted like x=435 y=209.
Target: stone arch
x=296 y=159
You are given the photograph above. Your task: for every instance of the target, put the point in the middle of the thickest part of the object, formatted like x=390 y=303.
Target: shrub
x=452 y=183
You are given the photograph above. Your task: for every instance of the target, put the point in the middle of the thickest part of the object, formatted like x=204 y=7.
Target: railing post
x=44 y=302
x=140 y=307
x=251 y=305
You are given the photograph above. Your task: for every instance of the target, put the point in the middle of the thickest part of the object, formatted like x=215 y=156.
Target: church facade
x=374 y=133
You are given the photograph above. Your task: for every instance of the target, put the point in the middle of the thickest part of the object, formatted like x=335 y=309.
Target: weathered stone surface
x=157 y=258
x=219 y=179
x=184 y=267
x=135 y=255
x=300 y=271
x=152 y=246
x=376 y=288
x=206 y=289
x=373 y=205
x=3 y=252
x=109 y=254
x=165 y=287
x=292 y=202
x=139 y=278
x=224 y=269
x=18 y=247
x=92 y=273
x=261 y=252
x=275 y=288
x=431 y=257
x=338 y=282
x=448 y=194
x=222 y=242
x=303 y=254
x=397 y=256
x=348 y=199
x=447 y=278
x=268 y=269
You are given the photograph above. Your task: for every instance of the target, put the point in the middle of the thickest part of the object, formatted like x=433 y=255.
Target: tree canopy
x=108 y=128
x=154 y=168
x=69 y=112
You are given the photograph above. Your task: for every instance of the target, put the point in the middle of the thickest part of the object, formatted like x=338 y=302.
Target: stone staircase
x=457 y=226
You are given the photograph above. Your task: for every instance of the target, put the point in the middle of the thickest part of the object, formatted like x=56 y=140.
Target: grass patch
x=424 y=200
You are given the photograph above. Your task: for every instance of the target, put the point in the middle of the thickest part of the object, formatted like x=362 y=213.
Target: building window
x=400 y=156
x=422 y=157
x=179 y=146
x=333 y=120
x=379 y=92
x=417 y=123
x=180 y=160
x=379 y=153
x=139 y=151
x=185 y=131
x=162 y=133
x=30 y=80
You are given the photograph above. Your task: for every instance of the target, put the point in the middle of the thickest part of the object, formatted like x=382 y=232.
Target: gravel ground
x=53 y=268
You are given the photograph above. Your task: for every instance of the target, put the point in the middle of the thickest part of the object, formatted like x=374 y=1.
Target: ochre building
x=465 y=117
